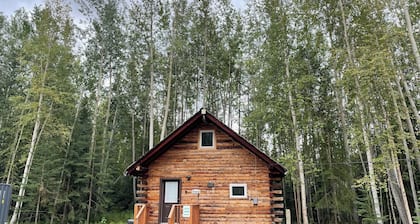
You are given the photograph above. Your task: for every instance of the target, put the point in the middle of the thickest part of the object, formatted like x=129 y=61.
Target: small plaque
x=186 y=211
x=195 y=191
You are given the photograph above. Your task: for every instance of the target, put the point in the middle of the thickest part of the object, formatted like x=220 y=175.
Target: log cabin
x=204 y=172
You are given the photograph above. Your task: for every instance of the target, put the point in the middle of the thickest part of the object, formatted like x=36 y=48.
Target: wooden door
x=170 y=195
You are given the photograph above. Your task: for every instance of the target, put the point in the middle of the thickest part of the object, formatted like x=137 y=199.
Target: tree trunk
x=298 y=145
x=16 y=143
x=40 y=190
x=105 y=131
x=363 y=123
x=143 y=136
x=111 y=139
x=410 y=33
x=373 y=185
x=151 y=92
x=407 y=152
x=92 y=147
x=28 y=164
x=296 y=194
x=78 y=106
x=396 y=181
x=369 y=157
x=6 y=97
x=413 y=104
x=133 y=151
x=168 y=98
x=409 y=124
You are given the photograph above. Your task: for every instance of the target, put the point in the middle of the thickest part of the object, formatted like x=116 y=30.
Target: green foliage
x=117 y=217
x=233 y=61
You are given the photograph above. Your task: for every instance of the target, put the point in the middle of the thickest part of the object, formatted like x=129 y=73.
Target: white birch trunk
x=92 y=147
x=105 y=131
x=29 y=160
x=78 y=107
x=298 y=145
x=407 y=155
x=394 y=172
x=369 y=157
x=410 y=33
x=413 y=104
x=35 y=135
x=151 y=92
x=371 y=171
x=133 y=150
x=111 y=139
x=16 y=143
x=168 y=99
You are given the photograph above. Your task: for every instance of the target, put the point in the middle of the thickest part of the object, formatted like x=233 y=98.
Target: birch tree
x=45 y=55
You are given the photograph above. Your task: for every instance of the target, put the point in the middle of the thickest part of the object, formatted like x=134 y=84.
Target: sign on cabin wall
x=186 y=211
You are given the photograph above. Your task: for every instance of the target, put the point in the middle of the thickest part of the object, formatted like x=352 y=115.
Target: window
x=206 y=139
x=237 y=191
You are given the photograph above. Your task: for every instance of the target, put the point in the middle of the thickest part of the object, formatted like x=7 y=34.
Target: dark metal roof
x=165 y=144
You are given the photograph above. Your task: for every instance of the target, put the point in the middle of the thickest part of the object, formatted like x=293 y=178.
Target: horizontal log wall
x=225 y=164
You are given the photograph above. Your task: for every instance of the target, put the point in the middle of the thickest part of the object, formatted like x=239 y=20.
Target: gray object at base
x=5 y=198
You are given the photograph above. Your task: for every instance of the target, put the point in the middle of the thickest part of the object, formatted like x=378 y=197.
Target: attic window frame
x=244 y=196
x=213 y=139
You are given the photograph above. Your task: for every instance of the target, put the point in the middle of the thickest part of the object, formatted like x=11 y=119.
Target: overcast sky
x=10 y=6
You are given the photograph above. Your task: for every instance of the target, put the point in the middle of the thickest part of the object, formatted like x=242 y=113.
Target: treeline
x=328 y=88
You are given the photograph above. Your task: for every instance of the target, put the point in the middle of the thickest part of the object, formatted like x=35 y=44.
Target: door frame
x=162 y=194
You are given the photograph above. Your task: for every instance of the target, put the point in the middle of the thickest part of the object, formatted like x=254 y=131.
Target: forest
x=327 y=88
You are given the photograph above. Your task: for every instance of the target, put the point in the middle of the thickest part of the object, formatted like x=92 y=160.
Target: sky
x=8 y=7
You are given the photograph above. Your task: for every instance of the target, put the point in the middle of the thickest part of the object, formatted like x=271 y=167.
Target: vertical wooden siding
x=226 y=164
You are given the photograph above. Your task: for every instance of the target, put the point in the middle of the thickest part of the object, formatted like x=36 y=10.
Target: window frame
x=213 y=138
x=245 y=196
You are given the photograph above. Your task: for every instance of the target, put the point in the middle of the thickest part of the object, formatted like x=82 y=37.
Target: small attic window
x=207 y=139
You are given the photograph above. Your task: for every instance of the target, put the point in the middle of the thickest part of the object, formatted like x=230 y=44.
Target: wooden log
x=142 y=186
x=277 y=205
x=277 y=199
x=276 y=179
x=141 y=192
x=278 y=220
x=277 y=213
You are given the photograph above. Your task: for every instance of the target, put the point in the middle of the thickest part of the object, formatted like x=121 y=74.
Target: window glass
x=171 y=191
x=237 y=191
x=207 y=138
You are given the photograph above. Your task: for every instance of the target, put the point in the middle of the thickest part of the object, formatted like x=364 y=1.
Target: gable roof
x=201 y=115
